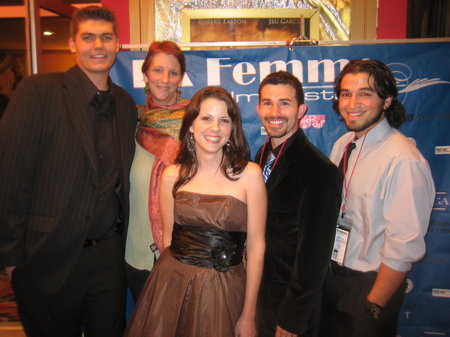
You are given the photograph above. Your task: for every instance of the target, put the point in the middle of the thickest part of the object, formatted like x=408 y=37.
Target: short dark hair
x=283 y=77
x=166 y=47
x=235 y=156
x=384 y=82
x=91 y=13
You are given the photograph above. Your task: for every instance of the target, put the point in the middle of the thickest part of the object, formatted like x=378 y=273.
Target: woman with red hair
x=156 y=147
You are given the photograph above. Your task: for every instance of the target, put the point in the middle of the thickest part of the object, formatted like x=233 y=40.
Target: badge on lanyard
x=344 y=224
x=341 y=241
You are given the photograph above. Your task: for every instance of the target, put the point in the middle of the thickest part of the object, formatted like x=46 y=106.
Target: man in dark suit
x=304 y=195
x=66 y=145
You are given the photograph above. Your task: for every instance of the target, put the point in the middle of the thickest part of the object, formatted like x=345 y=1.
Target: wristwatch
x=374 y=309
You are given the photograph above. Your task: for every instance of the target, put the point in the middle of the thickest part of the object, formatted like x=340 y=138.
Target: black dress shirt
x=102 y=117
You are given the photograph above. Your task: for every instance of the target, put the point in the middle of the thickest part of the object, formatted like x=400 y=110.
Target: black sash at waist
x=207 y=247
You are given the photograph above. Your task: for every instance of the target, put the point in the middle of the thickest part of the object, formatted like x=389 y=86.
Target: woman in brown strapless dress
x=213 y=207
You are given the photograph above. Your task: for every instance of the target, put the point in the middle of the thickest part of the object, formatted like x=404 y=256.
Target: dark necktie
x=268 y=166
x=343 y=164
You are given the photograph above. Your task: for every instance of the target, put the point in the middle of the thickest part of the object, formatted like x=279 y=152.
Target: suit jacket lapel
x=277 y=175
x=76 y=106
x=291 y=154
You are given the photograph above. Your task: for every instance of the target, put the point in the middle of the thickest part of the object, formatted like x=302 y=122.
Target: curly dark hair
x=235 y=156
x=384 y=82
x=92 y=13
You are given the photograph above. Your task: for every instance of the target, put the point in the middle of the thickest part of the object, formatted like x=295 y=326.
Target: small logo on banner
x=315 y=121
x=434 y=333
x=405 y=83
x=436 y=292
x=441 y=150
x=441 y=202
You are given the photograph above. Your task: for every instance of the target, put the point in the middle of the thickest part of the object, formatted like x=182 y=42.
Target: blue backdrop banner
x=423 y=78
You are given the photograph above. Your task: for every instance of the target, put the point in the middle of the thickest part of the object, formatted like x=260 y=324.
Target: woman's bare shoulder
x=171 y=171
x=252 y=169
x=251 y=174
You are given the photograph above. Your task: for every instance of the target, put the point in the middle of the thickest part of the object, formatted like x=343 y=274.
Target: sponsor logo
x=441 y=150
x=317 y=76
x=314 y=121
x=436 y=292
x=309 y=121
x=405 y=84
x=441 y=202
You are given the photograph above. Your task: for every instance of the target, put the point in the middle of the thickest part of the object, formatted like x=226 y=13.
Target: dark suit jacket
x=48 y=174
x=304 y=195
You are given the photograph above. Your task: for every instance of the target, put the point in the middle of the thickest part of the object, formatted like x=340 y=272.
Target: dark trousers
x=344 y=310
x=269 y=300
x=91 y=300
x=136 y=279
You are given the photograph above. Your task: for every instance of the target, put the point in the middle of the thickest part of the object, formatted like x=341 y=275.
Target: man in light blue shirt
x=387 y=197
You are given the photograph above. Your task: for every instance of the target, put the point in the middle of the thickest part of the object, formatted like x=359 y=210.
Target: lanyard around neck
x=264 y=150
x=347 y=183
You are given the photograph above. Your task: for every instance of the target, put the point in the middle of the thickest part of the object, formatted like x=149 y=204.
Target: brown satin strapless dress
x=183 y=300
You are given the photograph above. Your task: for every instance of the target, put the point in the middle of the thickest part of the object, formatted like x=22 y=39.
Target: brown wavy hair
x=384 y=82
x=235 y=157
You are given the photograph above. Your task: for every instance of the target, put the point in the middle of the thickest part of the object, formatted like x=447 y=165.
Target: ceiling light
x=48 y=33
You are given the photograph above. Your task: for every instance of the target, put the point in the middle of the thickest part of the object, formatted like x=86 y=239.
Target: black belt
x=207 y=247
x=336 y=269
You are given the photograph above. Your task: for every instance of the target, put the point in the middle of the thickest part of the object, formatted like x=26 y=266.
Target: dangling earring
x=146 y=89
x=228 y=145
x=191 y=143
